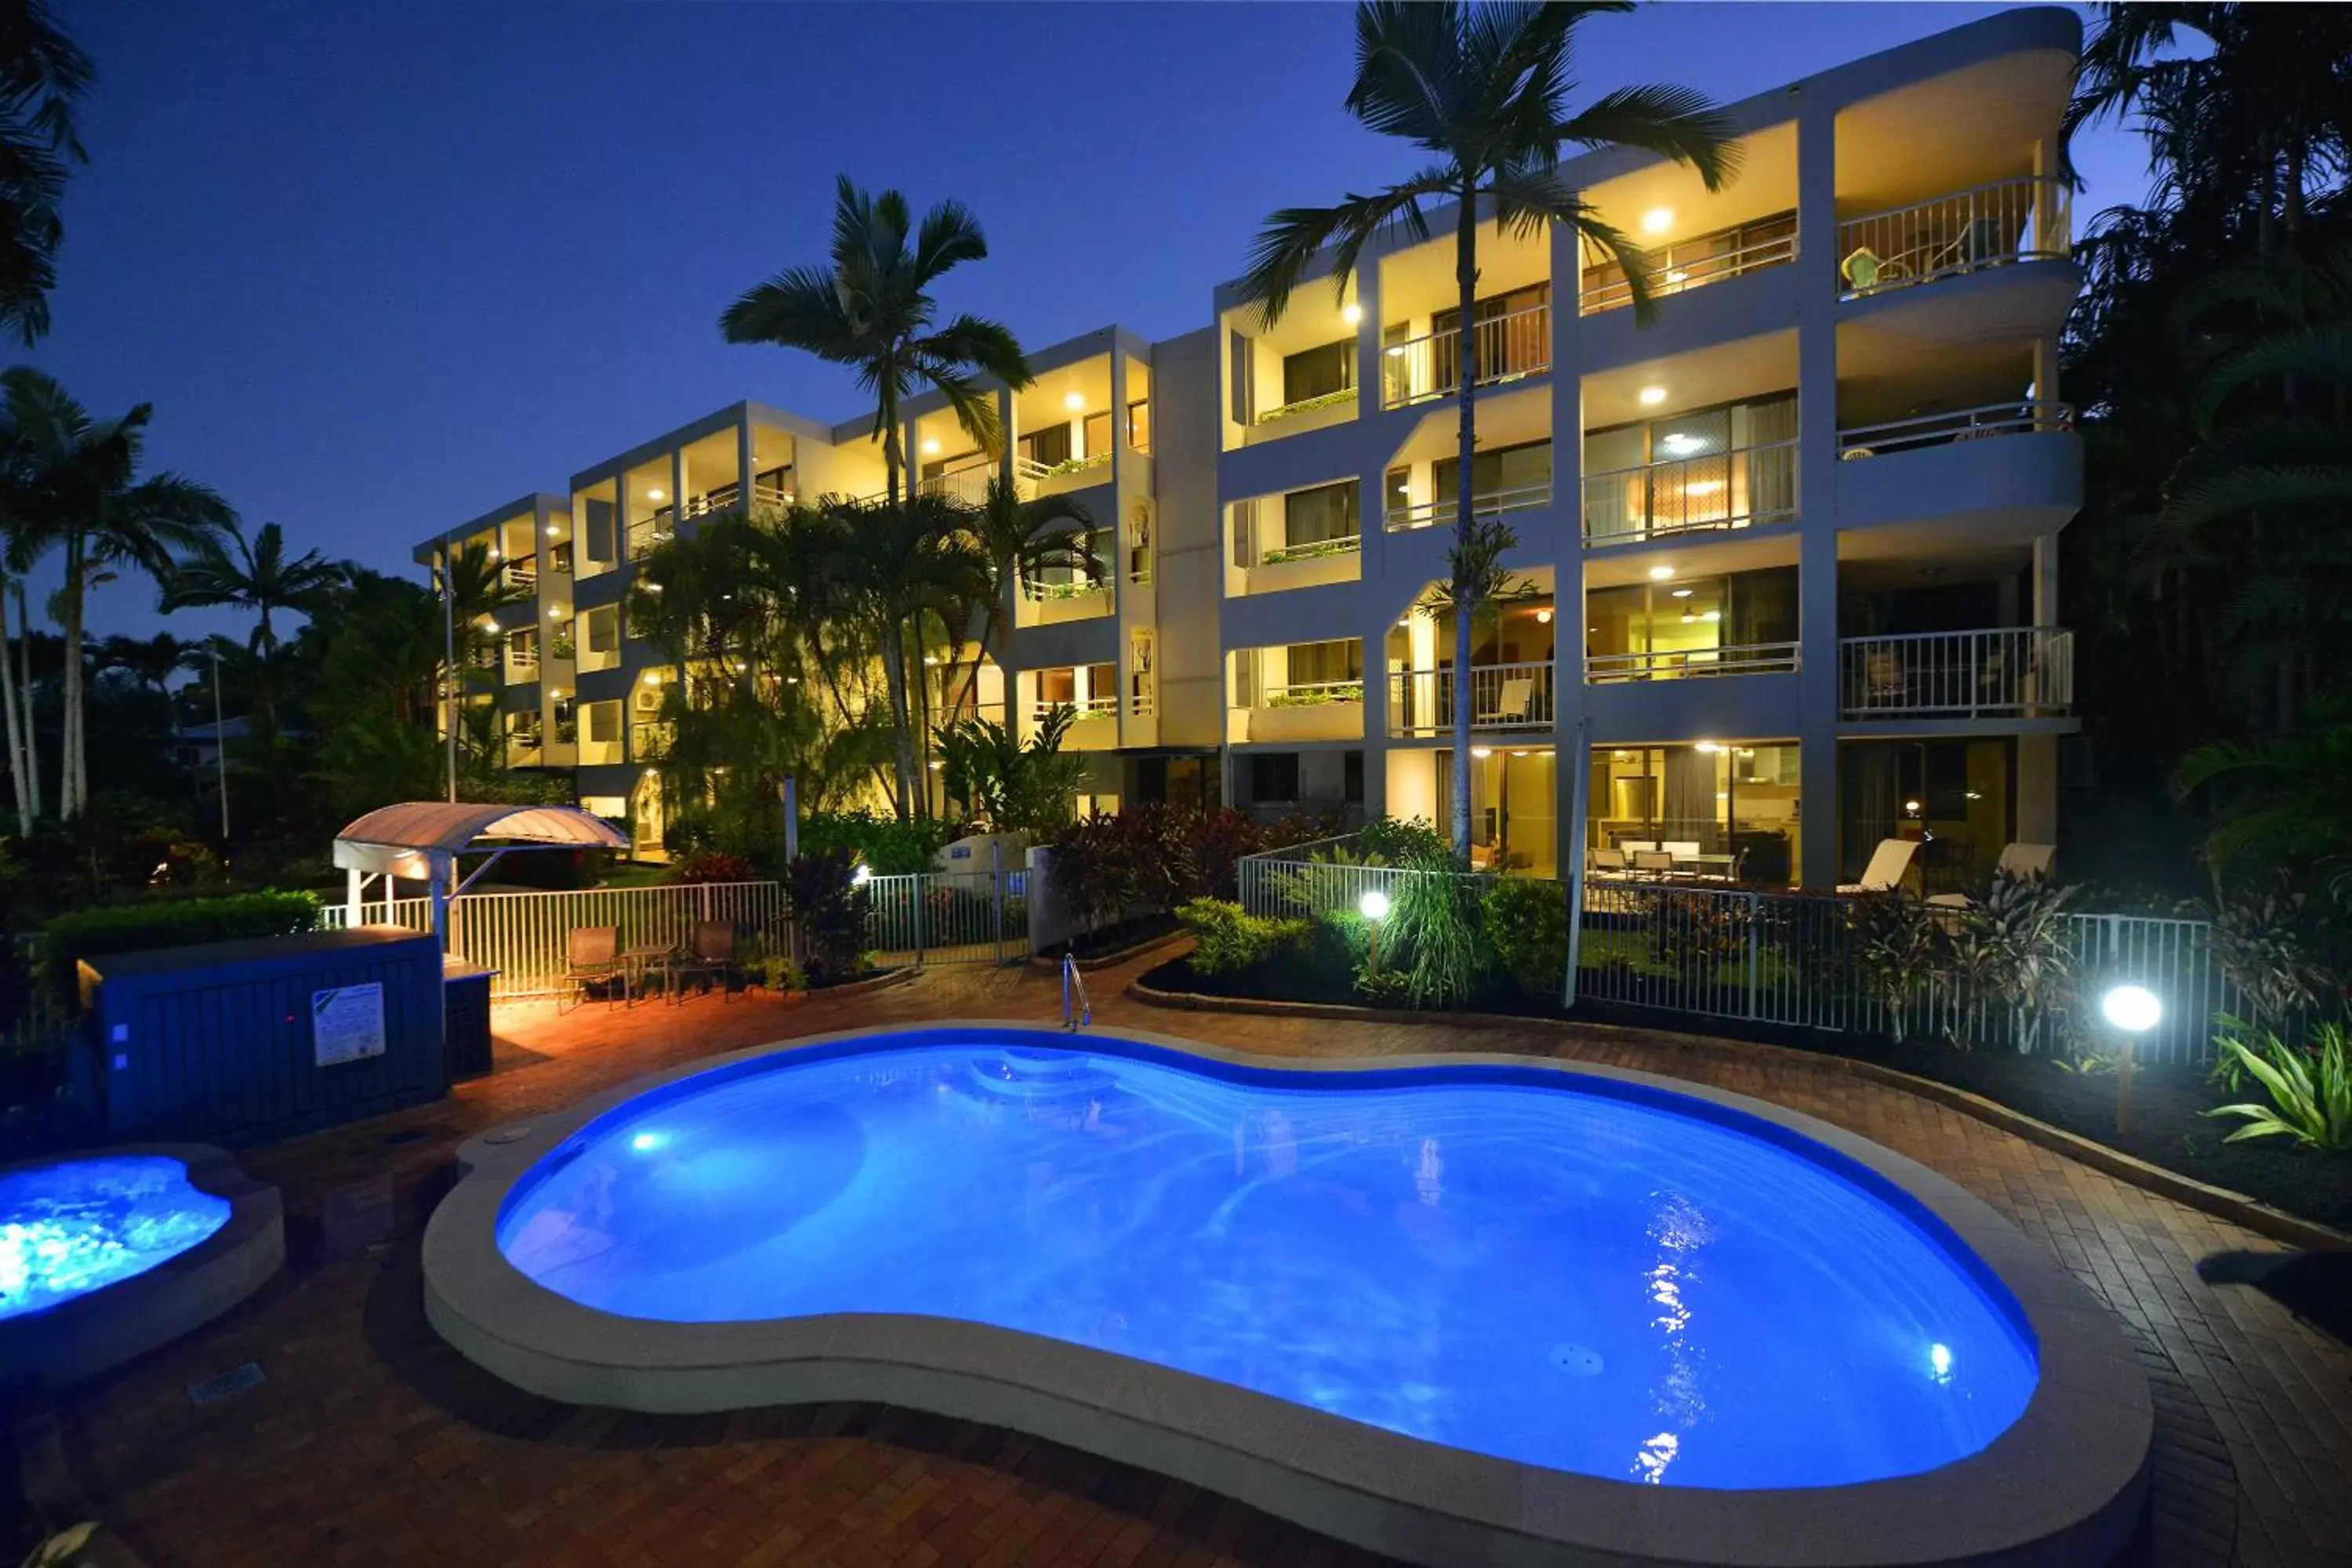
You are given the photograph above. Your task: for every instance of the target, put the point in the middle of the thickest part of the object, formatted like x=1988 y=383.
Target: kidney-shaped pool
x=1590 y=1273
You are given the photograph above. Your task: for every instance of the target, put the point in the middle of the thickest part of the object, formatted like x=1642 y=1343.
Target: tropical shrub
x=1015 y=785
x=712 y=866
x=1434 y=922
x=1896 y=943
x=2012 y=948
x=2310 y=1088
x=2263 y=942
x=829 y=910
x=1226 y=938
x=137 y=928
x=1220 y=839
x=888 y=846
x=1388 y=841
x=1525 y=923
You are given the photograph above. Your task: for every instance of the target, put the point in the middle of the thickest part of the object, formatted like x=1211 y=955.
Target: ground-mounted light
x=863 y=875
x=1373 y=905
x=2134 y=1009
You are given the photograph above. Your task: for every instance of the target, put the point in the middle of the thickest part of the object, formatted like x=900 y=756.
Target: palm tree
x=870 y=310
x=1482 y=87
x=252 y=574
x=71 y=484
x=150 y=662
x=41 y=73
x=1020 y=539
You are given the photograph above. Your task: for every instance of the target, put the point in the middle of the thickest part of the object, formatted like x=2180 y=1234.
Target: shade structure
x=402 y=839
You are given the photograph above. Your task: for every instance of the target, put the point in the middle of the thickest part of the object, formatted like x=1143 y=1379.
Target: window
x=1320 y=372
x=1505 y=347
x=1505 y=469
x=603 y=723
x=1274 y=776
x=1098 y=433
x=1314 y=663
x=1325 y=512
x=1057 y=686
x=1687 y=620
x=1352 y=787
x=1139 y=425
x=1048 y=447
x=598 y=528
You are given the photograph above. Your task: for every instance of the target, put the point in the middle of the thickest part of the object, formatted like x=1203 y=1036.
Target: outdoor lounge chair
x=592 y=957
x=1608 y=862
x=1889 y=864
x=2024 y=862
x=711 y=953
x=1654 y=863
x=1511 y=703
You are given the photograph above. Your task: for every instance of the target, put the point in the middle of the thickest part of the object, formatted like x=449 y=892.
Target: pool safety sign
x=346 y=1023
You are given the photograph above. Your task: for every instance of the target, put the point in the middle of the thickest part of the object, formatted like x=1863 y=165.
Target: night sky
x=381 y=268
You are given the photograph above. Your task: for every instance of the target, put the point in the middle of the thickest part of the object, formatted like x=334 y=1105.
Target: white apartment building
x=1808 y=516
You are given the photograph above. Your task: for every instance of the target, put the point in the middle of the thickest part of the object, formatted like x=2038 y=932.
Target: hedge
x=178 y=922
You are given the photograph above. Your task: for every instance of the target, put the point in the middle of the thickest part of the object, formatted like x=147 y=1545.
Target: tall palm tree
x=1482 y=87
x=1020 y=539
x=41 y=73
x=870 y=310
x=150 y=662
x=16 y=681
x=71 y=481
x=252 y=574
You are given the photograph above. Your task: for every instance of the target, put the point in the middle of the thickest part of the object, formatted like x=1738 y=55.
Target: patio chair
x=1511 y=705
x=1654 y=863
x=710 y=953
x=1889 y=864
x=2022 y=861
x=1607 y=862
x=1685 y=848
x=1861 y=270
x=592 y=957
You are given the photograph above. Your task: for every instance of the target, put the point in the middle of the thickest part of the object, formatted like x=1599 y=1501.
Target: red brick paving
x=372 y=1443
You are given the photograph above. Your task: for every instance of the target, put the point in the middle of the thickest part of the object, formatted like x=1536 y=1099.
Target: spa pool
x=1578 y=1272
x=77 y=1226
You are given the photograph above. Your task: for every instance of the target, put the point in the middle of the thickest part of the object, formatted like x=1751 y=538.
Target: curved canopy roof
x=431 y=828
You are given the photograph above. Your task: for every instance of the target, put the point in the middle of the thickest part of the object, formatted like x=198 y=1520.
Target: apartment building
x=1808 y=515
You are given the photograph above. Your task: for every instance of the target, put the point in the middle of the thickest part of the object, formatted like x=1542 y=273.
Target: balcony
x=1695 y=263
x=1684 y=664
x=521 y=664
x=521 y=573
x=650 y=740
x=1037 y=479
x=653 y=531
x=1314 y=549
x=1303 y=711
x=1963 y=424
x=1503 y=698
x=2010 y=672
x=1440 y=513
x=1509 y=347
x=1744 y=487
x=2024 y=220
x=1306 y=413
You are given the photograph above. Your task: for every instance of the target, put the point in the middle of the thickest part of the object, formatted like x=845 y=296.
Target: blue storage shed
x=243 y=1042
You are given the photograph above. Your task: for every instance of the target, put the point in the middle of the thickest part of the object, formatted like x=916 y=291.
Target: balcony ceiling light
x=657 y=493
x=1659 y=573
x=930 y=446
x=1657 y=220
x=553 y=531
x=1351 y=312
x=1652 y=397
x=1074 y=400
x=1482 y=752
x=1707 y=747
x=1543 y=617
x=1519 y=753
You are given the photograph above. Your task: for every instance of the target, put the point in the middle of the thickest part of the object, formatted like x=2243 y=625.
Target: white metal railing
x=1143 y=704
x=1690 y=264
x=1508 y=346
x=1312 y=550
x=1440 y=514
x=1307 y=881
x=969 y=485
x=1502 y=697
x=948 y=916
x=1311 y=693
x=1030 y=470
x=522 y=572
x=2028 y=218
x=1306 y=406
x=524 y=937
x=521 y=663
x=1744 y=487
x=2008 y=671
x=1959 y=425
x=1741 y=658
x=773 y=495
x=654 y=530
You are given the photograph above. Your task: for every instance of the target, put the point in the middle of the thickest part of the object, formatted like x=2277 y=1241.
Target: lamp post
x=1374 y=907
x=2131 y=1011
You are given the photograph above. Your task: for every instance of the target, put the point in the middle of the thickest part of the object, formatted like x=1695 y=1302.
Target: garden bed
x=2167 y=1127
x=1112 y=943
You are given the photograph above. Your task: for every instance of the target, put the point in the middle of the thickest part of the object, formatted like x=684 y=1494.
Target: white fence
x=949 y=917
x=1502 y=697
x=1745 y=487
x=1508 y=346
x=526 y=936
x=2024 y=220
x=2003 y=670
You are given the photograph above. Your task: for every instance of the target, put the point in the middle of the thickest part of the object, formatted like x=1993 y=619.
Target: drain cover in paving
x=222 y=1385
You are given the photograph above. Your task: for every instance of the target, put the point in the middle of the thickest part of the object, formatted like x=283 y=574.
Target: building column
x=745 y=457
x=1817 y=572
x=1372 y=528
x=1563 y=545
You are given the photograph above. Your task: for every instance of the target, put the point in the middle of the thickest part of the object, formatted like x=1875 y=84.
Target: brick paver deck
x=371 y=1442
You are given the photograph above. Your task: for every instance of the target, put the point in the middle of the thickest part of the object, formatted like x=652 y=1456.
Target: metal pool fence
x=949 y=917
x=1796 y=959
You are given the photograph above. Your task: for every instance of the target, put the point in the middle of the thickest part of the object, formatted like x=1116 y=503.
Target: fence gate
x=949 y=917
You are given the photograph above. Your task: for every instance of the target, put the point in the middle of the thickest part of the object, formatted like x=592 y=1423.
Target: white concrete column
x=678 y=490
x=1563 y=545
x=2044 y=605
x=744 y=458
x=1817 y=358
x=1372 y=510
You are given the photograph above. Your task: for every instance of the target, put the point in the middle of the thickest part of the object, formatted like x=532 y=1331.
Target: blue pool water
x=1592 y=1276
x=72 y=1227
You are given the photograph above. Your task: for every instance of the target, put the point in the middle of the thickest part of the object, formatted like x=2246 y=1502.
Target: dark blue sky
x=381 y=268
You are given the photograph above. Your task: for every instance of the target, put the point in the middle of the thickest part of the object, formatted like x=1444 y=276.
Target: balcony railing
x=2006 y=673
x=1746 y=658
x=969 y=485
x=1692 y=263
x=1509 y=347
x=2028 y=218
x=1311 y=693
x=1494 y=503
x=522 y=571
x=1081 y=707
x=523 y=663
x=1312 y=550
x=1739 y=488
x=1029 y=471
x=1143 y=704
x=1038 y=593
x=654 y=530
x=1961 y=424
x=1502 y=697
x=650 y=742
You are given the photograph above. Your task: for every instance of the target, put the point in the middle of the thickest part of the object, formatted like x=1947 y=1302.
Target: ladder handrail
x=1072 y=977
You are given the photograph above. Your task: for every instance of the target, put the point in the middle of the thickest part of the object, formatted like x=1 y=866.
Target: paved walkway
x=371 y=1442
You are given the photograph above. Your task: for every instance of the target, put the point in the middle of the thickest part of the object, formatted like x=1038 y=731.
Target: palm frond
x=1293 y=237
x=1675 y=122
x=2322 y=353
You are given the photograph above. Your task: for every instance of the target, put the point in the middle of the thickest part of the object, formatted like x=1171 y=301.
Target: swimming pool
x=80 y=1224
x=1564 y=1273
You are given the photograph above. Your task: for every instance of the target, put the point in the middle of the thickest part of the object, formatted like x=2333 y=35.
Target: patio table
x=635 y=961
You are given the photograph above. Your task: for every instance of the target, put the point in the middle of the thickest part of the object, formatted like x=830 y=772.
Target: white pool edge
x=2065 y=1484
